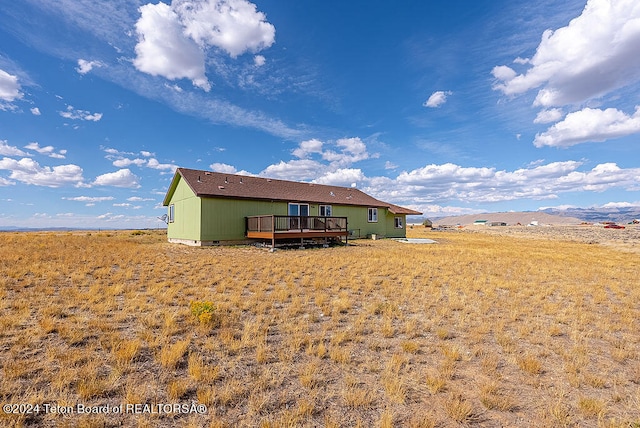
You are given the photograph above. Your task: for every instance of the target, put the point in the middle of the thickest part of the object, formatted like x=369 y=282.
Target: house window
x=373 y=215
x=397 y=222
x=172 y=213
x=325 y=210
x=299 y=209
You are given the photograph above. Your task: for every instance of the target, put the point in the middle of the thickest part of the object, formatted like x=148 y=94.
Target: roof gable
x=215 y=184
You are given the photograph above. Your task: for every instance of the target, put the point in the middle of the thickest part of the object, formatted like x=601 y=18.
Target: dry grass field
x=477 y=330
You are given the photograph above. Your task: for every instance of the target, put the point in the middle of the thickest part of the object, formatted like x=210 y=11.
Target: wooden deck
x=281 y=227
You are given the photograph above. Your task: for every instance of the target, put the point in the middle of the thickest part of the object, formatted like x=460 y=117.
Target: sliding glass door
x=298 y=210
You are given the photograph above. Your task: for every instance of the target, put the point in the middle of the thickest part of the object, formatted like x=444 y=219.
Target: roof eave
x=172 y=188
x=396 y=209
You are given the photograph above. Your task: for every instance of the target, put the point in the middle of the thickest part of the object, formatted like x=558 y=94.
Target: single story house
x=209 y=208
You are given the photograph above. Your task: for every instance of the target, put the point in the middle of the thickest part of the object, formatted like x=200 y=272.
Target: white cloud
x=120 y=178
x=504 y=73
x=223 y=167
x=85 y=66
x=154 y=164
x=139 y=199
x=119 y=159
x=310 y=153
x=115 y=152
x=295 y=170
x=35 y=111
x=174 y=87
x=259 y=60
x=557 y=207
x=599 y=51
x=548 y=116
x=435 y=210
x=342 y=177
x=449 y=171
x=589 y=125
x=236 y=26
x=7 y=150
x=173 y=39
x=350 y=150
x=124 y=162
x=472 y=184
x=354 y=146
x=47 y=150
x=353 y=150
x=306 y=148
x=602 y=177
x=89 y=199
x=437 y=99
x=620 y=205
x=9 y=87
x=390 y=165
x=75 y=114
x=163 y=50
x=28 y=171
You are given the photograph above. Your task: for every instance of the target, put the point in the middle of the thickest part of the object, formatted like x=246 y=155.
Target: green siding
x=186 y=224
x=392 y=231
x=224 y=219
x=357 y=220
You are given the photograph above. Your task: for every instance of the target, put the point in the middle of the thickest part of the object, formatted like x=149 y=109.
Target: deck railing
x=292 y=223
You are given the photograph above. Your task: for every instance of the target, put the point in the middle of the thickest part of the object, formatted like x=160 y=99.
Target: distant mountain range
x=616 y=214
x=546 y=216
x=61 y=229
x=510 y=218
x=36 y=229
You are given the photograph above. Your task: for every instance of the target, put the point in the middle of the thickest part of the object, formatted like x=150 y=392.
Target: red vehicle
x=613 y=226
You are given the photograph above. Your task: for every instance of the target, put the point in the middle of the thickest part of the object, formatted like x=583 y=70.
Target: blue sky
x=445 y=107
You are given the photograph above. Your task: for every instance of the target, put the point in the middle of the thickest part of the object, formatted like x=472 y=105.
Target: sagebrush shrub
x=203 y=311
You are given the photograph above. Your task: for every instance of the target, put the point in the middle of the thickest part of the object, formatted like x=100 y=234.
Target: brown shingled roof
x=216 y=184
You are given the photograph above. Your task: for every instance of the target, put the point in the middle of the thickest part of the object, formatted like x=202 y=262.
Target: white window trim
x=172 y=213
x=299 y=204
x=372 y=215
x=325 y=210
x=398 y=221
